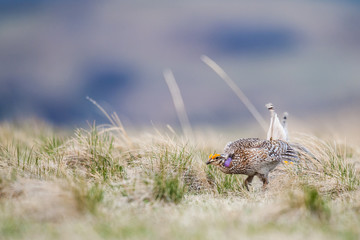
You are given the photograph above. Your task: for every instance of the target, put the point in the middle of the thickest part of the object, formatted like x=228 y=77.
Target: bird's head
x=222 y=160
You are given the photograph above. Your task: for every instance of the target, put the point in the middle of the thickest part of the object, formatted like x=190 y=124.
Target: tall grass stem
x=214 y=66
x=179 y=103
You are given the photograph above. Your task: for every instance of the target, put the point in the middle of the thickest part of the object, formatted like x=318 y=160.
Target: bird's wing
x=255 y=153
x=255 y=158
x=244 y=143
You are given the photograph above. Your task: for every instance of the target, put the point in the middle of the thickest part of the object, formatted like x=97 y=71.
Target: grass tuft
x=169 y=170
x=168 y=188
x=315 y=203
x=88 y=197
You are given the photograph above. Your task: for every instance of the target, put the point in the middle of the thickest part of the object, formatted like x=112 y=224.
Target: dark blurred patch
x=16 y=97
x=19 y=99
x=62 y=112
x=19 y=6
x=103 y=81
x=15 y=4
x=240 y=40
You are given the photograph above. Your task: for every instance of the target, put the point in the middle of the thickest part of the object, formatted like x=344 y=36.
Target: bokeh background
x=303 y=56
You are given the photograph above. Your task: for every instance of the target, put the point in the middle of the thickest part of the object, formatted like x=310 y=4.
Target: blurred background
x=303 y=56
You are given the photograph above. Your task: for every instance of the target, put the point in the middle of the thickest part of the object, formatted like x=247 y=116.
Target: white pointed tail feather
x=276 y=130
x=285 y=124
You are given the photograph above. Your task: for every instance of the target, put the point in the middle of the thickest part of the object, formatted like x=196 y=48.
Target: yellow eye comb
x=214 y=156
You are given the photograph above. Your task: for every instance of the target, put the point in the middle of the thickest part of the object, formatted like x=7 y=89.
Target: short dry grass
x=102 y=183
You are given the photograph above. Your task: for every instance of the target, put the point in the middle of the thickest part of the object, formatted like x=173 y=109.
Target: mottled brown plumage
x=253 y=157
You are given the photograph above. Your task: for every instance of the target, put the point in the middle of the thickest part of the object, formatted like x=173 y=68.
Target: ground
x=103 y=182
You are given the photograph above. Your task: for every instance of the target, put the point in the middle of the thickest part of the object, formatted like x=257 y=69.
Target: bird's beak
x=208 y=162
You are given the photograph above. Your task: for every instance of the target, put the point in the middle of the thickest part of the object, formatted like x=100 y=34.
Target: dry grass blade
x=179 y=103
x=115 y=121
x=121 y=128
x=214 y=66
x=101 y=109
x=331 y=160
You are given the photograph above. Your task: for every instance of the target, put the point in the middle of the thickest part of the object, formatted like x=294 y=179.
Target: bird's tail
x=276 y=130
x=303 y=151
x=285 y=124
x=290 y=156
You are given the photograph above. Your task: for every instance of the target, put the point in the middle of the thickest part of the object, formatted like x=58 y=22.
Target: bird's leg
x=264 y=179
x=248 y=181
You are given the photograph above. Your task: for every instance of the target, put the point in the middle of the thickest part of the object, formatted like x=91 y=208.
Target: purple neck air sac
x=227 y=162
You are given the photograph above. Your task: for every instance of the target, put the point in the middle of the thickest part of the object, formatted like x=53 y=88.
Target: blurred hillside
x=301 y=55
